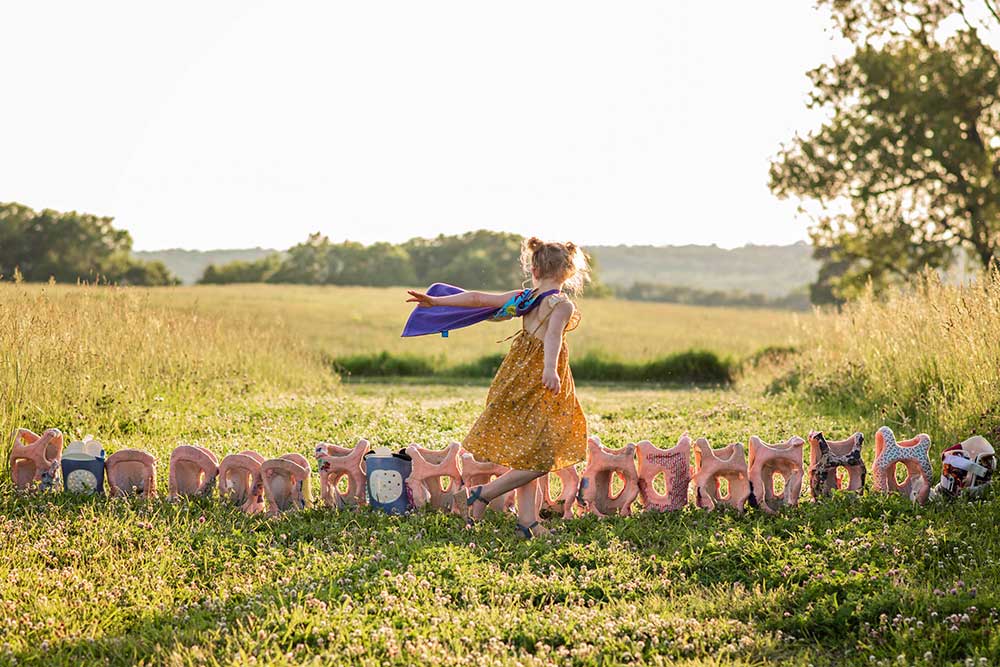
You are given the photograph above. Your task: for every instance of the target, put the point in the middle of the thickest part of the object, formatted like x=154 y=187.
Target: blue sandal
x=474 y=495
x=527 y=532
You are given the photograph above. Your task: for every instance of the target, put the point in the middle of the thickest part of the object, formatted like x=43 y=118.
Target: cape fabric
x=441 y=319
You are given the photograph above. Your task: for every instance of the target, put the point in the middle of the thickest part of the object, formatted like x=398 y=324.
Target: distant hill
x=188 y=265
x=761 y=269
x=771 y=270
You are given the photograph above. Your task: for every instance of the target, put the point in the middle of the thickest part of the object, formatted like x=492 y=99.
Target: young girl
x=533 y=422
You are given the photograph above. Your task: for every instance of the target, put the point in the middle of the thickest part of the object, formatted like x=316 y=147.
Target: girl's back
x=536 y=322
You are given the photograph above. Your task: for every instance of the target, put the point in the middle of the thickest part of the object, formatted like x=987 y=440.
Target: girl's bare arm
x=553 y=343
x=462 y=300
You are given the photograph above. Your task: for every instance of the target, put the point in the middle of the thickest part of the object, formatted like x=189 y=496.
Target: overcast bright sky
x=234 y=124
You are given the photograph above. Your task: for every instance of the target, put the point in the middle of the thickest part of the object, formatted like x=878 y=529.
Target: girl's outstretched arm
x=553 y=343
x=462 y=300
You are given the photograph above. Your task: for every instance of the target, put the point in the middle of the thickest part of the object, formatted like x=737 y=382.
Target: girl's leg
x=508 y=481
x=526 y=497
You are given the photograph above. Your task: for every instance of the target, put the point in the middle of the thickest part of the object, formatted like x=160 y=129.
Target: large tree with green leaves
x=905 y=173
x=70 y=246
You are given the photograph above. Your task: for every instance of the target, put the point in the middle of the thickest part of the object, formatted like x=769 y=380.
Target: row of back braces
x=416 y=477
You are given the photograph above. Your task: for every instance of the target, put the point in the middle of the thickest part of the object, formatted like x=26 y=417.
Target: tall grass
x=93 y=359
x=924 y=358
x=12 y=399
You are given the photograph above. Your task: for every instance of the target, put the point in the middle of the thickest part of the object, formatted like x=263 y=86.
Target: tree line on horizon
x=482 y=259
x=69 y=247
x=693 y=296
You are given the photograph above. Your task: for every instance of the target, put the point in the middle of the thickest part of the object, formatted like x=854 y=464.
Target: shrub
x=690 y=366
x=383 y=364
x=684 y=367
x=483 y=367
x=770 y=355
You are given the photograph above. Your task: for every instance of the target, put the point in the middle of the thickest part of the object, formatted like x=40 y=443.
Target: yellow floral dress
x=525 y=426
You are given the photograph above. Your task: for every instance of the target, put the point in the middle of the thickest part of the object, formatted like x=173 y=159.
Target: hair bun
x=534 y=243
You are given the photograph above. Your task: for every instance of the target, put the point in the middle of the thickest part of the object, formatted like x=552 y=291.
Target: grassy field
x=356 y=320
x=870 y=580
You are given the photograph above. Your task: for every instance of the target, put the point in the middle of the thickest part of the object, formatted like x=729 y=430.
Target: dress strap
x=513 y=335
x=540 y=324
x=549 y=314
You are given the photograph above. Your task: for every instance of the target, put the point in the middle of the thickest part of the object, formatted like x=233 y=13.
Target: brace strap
x=963 y=463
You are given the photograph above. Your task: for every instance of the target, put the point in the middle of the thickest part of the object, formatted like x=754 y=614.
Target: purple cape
x=441 y=319
x=436 y=319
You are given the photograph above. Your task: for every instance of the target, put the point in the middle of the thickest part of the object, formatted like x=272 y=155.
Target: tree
x=14 y=237
x=380 y=264
x=823 y=291
x=238 y=271
x=71 y=246
x=475 y=260
x=148 y=274
x=390 y=264
x=306 y=263
x=906 y=171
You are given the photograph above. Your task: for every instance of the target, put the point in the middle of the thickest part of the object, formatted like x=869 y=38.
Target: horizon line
x=583 y=245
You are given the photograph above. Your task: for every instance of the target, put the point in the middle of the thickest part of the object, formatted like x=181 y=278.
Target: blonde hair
x=565 y=262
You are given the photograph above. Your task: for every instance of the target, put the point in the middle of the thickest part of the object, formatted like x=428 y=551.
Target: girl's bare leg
x=514 y=479
x=527 y=509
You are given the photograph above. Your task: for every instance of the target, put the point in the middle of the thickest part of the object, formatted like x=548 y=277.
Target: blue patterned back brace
x=520 y=304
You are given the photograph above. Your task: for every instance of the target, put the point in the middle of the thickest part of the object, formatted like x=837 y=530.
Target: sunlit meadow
x=870 y=580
